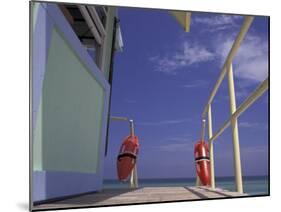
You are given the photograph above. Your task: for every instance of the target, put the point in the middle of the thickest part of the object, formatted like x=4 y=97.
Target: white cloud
x=179 y=138
x=176 y=147
x=188 y=54
x=251 y=60
x=216 y=22
x=178 y=143
x=253 y=125
x=130 y=101
x=196 y=84
x=250 y=151
x=164 y=122
x=254 y=149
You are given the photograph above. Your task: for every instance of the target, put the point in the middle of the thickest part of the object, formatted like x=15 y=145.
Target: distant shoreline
x=191 y=178
x=254 y=185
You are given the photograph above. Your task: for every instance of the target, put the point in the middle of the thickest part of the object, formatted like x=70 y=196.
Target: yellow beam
x=235 y=134
x=211 y=147
x=203 y=129
x=134 y=178
x=198 y=182
x=183 y=19
x=252 y=98
x=244 y=106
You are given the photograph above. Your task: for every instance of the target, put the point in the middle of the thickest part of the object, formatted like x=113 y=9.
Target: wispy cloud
x=176 y=147
x=172 y=143
x=254 y=149
x=253 y=125
x=251 y=61
x=164 y=122
x=177 y=143
x=187 y=54
x=179 y=138
x=130 y=101
x=249 y=151
x=216 y=22
x=196 y=84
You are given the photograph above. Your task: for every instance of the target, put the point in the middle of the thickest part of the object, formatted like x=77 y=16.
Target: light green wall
x=34 y=12
x=37 y=140
x=72 y=108
x=68 y=126
x=37 y=133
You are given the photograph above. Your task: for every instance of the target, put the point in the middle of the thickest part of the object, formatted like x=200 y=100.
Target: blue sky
x=162 y=80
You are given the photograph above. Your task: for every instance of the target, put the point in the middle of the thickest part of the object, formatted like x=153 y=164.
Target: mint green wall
x=34 y=12
x=71 y=113
x=37 y=133
x=37 y=140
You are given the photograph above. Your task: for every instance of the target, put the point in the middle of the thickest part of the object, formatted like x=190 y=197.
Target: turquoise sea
x=255 y=185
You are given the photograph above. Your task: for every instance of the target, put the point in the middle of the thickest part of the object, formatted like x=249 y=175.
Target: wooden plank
x=140 y=195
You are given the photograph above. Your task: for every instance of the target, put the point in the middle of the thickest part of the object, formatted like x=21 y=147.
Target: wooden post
x=132 y=128
x=198 y=182
x=203 y=129
x=134 y=176
x=211 y=147
x=235 y=135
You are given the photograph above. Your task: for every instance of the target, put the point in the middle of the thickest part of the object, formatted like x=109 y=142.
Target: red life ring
x=202 y=162
x=127 y=157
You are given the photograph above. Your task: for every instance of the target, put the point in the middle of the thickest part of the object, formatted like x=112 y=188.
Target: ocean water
x=254 y=185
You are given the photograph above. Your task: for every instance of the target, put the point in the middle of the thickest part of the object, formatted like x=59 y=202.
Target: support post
x=132 y=128
x=235 y=135
x=198 y=182
x=203 y=129
x=211 y=147
x=134 y=176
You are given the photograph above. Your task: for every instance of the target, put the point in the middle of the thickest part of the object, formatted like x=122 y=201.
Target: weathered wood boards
x=140 y=195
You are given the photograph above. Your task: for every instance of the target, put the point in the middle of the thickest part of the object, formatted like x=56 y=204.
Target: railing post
x=134 y=176
x=203 y=129
x=235 y=135
x=198 y=182
x=211 y=147
x=132 y=128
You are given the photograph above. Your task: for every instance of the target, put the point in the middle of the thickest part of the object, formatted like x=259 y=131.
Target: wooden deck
x=141 y=195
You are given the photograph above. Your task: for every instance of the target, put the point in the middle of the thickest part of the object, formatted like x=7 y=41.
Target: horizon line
x=188 y=177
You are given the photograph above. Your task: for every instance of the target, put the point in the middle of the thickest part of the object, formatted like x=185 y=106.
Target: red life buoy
x=127 y=157
x=202 y=162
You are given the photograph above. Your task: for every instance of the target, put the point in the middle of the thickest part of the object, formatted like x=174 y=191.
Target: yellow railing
x=234 y=112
